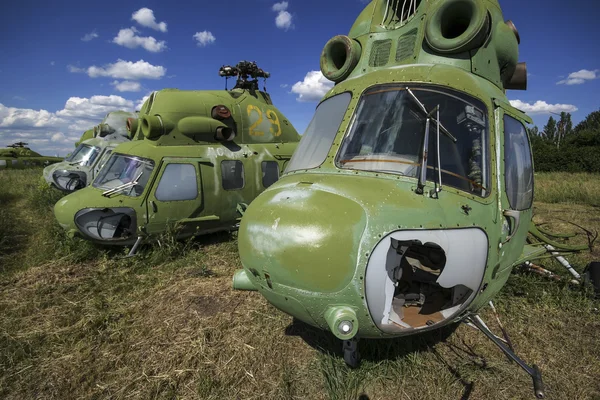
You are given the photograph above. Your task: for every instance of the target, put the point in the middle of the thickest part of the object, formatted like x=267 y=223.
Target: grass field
x=77 y=321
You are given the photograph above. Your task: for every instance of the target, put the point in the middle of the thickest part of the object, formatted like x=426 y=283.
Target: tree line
x=562 y=147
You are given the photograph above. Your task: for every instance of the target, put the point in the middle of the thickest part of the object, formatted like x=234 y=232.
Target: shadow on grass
x=376 y=350
x=13 y=237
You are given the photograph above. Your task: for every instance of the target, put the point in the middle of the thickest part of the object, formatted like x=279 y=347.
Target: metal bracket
x=516 y=215
x=241 y=208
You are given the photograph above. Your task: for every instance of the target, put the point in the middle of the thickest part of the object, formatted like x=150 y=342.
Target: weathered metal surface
x=308 y=241
x=211 y=148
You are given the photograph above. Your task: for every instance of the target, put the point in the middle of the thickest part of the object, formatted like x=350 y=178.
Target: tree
x=550 y=131
x=590 y=123
x=564 y=128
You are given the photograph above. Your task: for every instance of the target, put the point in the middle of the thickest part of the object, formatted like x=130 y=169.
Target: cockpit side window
x=322 y=130
x=518 y=165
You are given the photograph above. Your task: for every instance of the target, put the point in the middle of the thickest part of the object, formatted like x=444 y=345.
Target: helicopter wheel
x=351 y=354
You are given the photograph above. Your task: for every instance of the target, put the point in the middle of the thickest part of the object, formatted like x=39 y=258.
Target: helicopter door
x=176 y=197
x=517 y=197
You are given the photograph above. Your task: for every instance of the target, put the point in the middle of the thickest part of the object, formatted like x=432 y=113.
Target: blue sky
x=65 y=64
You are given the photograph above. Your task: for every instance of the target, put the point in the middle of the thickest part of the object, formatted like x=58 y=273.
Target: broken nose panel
x=416 y=279
x=69 y=181
x=106 y=224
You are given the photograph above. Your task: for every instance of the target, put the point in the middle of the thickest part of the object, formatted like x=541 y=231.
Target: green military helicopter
x=409 y=199
x=89 y=134
x=81 y=167
x=19 y=156
x=197 y=158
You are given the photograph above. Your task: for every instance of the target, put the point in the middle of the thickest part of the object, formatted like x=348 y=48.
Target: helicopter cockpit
x=124 y=174
x=388 y=130
x=83 y=155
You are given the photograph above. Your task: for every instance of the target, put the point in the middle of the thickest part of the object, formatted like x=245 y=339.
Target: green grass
x=79 y=321
x=563 y=187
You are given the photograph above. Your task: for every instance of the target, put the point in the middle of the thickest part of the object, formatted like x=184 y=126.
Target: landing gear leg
x=533 y=371
x=135 y=247
x=351 y=354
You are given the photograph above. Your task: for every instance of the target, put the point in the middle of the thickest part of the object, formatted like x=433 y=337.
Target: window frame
x=162 y=176
x=335 y=134
x=243 y=175
x=262 y=170
x=149 y=182
x=515 y=207
x=459 y=95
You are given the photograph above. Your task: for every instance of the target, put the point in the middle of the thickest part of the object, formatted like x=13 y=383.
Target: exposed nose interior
x=418 y=300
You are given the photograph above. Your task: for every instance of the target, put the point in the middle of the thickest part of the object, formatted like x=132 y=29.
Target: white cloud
x=89 y=36
x=75 y=69
x=140 y=103
x=57 y=137
x=124 y=70
x=541 y=107
x=11 y=117
x=283 y=20
x=277 y=7
x=128 y=37
x=579 y=77
x=127 y=86
x=313 y=87
x=95 y=106
x=19 y=98
x=145 y=17
x=55 y=132
x=204 y=38
x=52 y=63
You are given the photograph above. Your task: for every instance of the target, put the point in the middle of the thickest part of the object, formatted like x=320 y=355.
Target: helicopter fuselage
x=197 y=159
x=357 y=237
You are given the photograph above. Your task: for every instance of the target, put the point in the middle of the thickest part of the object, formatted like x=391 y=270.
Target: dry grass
x=76 y=322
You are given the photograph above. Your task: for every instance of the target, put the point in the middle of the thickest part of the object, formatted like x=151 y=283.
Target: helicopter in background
x=19 y=156
x=409 y=199
x=81 y=167
x=197 y=158
x=89 y=134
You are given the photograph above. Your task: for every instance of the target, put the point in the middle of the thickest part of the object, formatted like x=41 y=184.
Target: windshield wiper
x=428 y=114
x=123 y=186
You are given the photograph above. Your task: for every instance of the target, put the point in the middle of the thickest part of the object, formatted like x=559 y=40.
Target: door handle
x=154 y=207
x=516 y=216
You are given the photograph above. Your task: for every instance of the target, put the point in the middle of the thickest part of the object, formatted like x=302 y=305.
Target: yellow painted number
x=253 y=131
x=275 y=128
x=272 y=116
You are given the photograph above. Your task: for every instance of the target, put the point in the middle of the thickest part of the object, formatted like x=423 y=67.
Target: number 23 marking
x=275 y=128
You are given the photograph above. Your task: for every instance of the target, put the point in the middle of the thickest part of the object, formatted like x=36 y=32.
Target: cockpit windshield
x=84 y=155
x=126 y=175
x=388 y=130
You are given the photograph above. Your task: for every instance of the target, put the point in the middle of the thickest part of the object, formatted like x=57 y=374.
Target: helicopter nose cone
x=64 y=211
x=302 y=237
